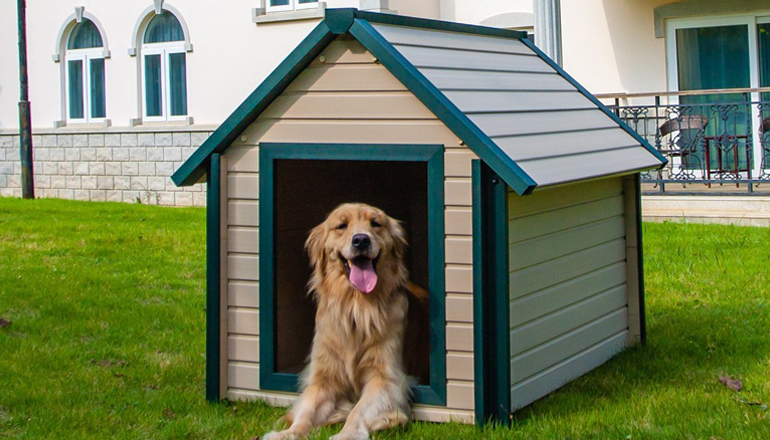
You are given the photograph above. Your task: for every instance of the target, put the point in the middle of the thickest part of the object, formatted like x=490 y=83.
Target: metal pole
x=25 y=123
x=548 y=28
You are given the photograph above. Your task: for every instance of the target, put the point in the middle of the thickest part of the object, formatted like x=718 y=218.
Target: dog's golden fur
x=355 y=373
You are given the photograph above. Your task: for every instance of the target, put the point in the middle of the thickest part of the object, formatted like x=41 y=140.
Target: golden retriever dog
x=359 y=282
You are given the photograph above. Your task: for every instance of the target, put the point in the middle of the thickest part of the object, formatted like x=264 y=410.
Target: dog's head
x=359 y=245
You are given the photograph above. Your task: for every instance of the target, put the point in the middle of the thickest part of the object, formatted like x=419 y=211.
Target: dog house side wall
x=573 y=284
x=346 y=98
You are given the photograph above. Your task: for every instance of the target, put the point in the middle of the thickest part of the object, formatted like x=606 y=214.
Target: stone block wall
x=116 y=167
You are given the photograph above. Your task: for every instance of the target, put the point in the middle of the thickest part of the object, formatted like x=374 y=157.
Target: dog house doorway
x=299 y=186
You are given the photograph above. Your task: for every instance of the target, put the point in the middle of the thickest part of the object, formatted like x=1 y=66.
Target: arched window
x=164 y=69
x=85 y=74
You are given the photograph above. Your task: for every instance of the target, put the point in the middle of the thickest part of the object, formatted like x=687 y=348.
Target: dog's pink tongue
x=362 y=274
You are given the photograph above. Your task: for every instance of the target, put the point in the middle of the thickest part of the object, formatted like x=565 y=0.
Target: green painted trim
x=481 y=406
x=213 y=252
x=640 y=259
x=602 y=107
x=246 y=113
x=491 y=331
x=497 y=209
x=339 y=20
x=442 y=107
x=435 y=394
x=400 y=20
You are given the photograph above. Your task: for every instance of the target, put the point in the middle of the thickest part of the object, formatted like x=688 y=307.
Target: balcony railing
x=715 y=140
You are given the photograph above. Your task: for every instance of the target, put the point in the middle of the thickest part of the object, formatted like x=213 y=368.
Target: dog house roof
x=531 y=122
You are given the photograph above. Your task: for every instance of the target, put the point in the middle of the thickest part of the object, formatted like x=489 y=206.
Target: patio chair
x=691 y=131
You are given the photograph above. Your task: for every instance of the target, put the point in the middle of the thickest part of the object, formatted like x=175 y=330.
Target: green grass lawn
x=106 y=303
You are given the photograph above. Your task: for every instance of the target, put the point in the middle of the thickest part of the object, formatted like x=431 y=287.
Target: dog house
x=518 y=189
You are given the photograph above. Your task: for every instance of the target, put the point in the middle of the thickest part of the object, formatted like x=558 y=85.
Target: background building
x=122 y=92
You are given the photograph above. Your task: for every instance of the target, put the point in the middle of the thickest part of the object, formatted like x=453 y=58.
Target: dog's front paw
x=350 y=436
x=283 y=435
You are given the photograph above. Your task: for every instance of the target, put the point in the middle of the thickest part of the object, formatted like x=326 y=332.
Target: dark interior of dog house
x=305 y=191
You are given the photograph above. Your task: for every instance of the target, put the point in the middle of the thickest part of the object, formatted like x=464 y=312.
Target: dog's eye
x=376 y=224
x=342 y=226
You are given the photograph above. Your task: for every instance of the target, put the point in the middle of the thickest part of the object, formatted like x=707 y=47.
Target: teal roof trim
x=442 y=107
x=246 y=113
x=602 y=107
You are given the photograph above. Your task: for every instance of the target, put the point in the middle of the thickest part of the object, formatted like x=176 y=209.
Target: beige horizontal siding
x=548 y=247
x=243 y=185
x=459 y=337
x=459 y=279
x=459 y=394
x=459 y=308
x=243 y=239
x=243 y=294
x=564 y=268
x=458 y=191
x=458 y=220
x=243 y=159
x=244 y=375
x=344 y=97
x=459 y=250
x=243 y=267
x=347 y=106
x=552 y=352
x=458 y=163
x=543 y=302
x=459 y=366
x=243 y=213
x=527 y=228
x=551 y=199
x=243 y=348
x=355 y=132
x=344 y=51
x=548 y=327
x=568 y=301
x=534 y=388
x=344 y=78
x=243 y=321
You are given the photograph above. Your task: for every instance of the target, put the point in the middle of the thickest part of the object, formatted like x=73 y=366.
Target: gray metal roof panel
x=556 y=133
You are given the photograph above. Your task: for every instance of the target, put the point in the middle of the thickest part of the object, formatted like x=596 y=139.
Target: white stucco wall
x=9 y=68
x=474 y=12
x=610 y=46
x=230 y=57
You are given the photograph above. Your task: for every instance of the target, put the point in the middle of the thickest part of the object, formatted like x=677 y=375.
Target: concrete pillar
x=376 y=6
x=548 y=27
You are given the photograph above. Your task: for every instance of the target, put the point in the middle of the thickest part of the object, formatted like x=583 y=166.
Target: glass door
x=714 y=128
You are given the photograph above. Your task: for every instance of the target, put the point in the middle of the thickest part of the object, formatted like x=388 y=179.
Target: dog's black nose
x=361 y=241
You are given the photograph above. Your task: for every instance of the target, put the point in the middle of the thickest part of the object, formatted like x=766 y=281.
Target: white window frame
x=749 y=20
x=84 y=56
x=293 y=5
x=164 y=50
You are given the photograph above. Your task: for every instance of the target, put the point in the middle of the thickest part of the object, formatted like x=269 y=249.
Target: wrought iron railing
x=711 y=138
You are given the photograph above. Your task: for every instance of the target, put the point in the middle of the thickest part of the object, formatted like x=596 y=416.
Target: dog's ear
x=315 y=245
x=399 y=237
